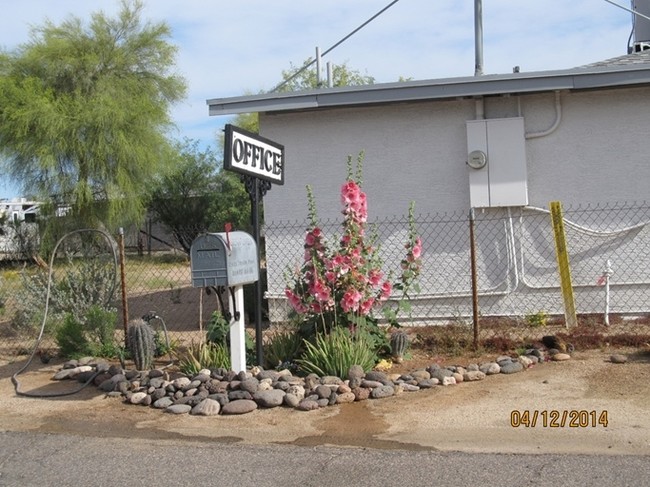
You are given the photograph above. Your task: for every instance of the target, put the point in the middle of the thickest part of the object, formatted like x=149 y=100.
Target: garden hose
x=14 y=377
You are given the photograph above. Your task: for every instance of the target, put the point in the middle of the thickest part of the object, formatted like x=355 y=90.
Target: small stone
x=618 y=358
x=323 y=391
x=512 y=368
x=163 y=403
x=323 y=403
x=525 y=361
x=428 y=383
x=307 y=405
x=268 y=374
x=240 y=395
x=382 y=392
x=220 y=397
x=207 y=407
x=534 y=359
x=421 y=375
x=371 y=384
x=343 y=388
x=410 y=387
x=361 y=393
x=472 y=368
x=179 y=409
x=376 y=375
x=291 y=400
x=181 y=382
x=269 y=399
x=345 y=397
x=241 y=406
x=473 y=375
x=448 y=381
x=311 y=381
x=490 y=368
x=250 y=385
x=440 y=373
x=331 y=379
x=561 y=357
x=137 y=397
x=459 y=376
x=297 y=390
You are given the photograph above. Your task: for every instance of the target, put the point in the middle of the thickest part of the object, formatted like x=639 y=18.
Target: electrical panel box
x=224 y=259
x=497 y=162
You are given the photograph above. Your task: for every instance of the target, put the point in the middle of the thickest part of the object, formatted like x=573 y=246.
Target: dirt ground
x=471 y=417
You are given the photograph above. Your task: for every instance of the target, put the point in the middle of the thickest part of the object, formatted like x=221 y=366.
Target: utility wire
x=335 y=45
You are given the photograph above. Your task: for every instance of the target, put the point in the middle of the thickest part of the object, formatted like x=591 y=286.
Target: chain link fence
x=518 y=293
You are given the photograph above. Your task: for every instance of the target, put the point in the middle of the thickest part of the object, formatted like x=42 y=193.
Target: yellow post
x=563 y=264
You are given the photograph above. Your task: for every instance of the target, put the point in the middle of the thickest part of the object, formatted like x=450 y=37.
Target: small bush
x=71 y=339
x=336 y=352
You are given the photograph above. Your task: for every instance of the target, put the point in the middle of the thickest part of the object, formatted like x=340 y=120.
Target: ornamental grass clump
x=343 y=285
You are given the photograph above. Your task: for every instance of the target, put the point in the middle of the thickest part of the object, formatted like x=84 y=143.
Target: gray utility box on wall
x=220 y=259
x=497 y=162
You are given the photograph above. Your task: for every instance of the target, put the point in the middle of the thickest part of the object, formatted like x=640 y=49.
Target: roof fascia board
x=486 y=85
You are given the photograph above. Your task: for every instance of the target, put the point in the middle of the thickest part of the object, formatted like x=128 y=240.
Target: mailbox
x=220 y=259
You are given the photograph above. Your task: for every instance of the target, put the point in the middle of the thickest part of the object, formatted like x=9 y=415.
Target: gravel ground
x=470 y=417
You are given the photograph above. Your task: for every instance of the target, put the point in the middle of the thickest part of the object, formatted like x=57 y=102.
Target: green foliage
x=70 y=338
x=282 y=349
x=537 y=320
x=92 y=334
x=77 y=286
x=204 y=356
x=342 y=75
x=196 y=197
x=85 y=113
x=141 y=345
x=218 y=329
x=334 y=353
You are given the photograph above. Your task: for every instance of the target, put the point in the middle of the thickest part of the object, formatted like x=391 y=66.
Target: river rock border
x=223 y=392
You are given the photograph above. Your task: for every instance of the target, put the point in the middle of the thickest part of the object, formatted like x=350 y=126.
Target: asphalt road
x=37 y=459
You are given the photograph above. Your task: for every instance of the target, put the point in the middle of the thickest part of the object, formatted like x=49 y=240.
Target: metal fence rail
x=518 y=286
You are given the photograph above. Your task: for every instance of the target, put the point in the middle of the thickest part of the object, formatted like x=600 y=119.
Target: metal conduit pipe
x=558 y=119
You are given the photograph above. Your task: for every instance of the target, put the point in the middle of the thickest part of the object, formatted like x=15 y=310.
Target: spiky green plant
x=204 y=356
x=284 y=347
x=334 y=353
x=399 y=342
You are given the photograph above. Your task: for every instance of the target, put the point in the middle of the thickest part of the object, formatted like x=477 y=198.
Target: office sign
x=248 y=153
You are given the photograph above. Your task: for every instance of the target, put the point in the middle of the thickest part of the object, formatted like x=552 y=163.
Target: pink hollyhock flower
x=350 y=301
x=330 y=276
x=386 y=289
x=320 y=291
x=349 y=192
x=295 y=301
x=366 y=306
x=374 y=277
x=417 y=249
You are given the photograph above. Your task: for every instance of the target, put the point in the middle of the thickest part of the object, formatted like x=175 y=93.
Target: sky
x=230 y=48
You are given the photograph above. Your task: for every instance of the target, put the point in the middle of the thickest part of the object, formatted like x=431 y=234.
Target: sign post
x=260 y=162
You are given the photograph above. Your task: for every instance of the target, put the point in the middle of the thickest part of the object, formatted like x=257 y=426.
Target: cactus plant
x=140 y=342
x=399 y=341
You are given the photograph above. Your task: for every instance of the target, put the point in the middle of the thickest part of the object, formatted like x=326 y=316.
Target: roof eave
x=515 y=83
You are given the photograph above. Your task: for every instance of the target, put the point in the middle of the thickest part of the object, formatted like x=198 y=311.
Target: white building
x=579 y=136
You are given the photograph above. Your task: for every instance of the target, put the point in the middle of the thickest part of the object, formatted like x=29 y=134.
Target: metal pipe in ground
x=472 y=253
x=125 y=304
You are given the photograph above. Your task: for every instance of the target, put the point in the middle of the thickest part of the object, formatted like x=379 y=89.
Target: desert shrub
x=335 y=352
x=93 y=334
x=76 y=286
x=204 y=356
x=218 y=331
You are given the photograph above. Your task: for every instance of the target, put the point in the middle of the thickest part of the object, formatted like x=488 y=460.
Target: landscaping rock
x=561 y=357
x=618 y=358
x=382 y=392
x=512 y=368
x=472 y=375
x=241 y=406
x=207 y=407
x=179 y=409
x=269 y=399
x=490 y=368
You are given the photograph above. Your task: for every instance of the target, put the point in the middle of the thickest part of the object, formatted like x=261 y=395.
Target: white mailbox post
x=230 y=260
